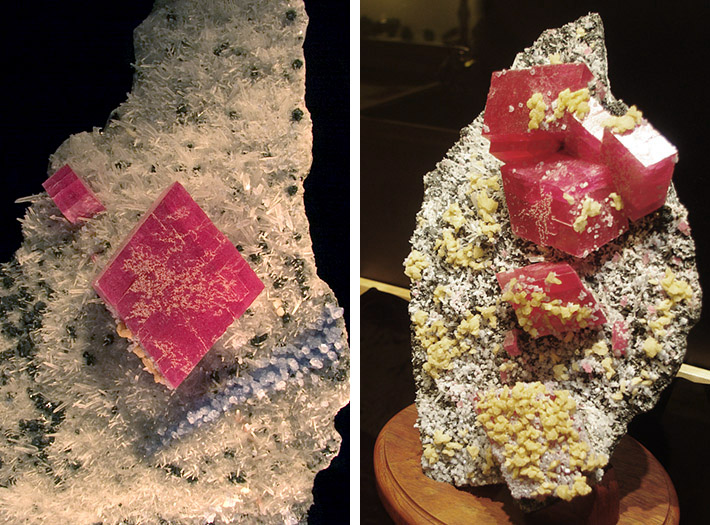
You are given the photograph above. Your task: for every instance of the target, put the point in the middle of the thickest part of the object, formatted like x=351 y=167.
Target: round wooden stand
x=636 y=490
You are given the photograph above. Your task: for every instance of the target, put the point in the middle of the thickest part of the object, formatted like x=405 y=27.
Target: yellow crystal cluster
x=516 y=293
x=535 y=430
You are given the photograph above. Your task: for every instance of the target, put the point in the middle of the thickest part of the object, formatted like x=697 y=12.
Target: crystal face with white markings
x=204 y=268
x=553 y=278
x=177 y=283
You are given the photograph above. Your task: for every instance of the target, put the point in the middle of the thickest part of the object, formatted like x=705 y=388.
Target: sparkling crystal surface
x=550 y=298
x=549 y=203
x=642 y=163
x=507 y=115
x=177 y=283
x=583 y=136
x=641 y=160
x=72 y=196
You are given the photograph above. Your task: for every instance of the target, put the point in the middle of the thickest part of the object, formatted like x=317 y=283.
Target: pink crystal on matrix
x=563 y=202
x=177 y=283
x=619 y=338
x=642 y=163
x=549 y=299
x=74 y=199
x=510 y=343
x=507 y=115
x=560 y=144
x=641 y=160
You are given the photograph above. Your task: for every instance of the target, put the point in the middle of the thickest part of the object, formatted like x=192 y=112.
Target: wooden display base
x=636 y=490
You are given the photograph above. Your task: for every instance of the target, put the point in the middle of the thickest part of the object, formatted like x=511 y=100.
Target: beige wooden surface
x=637 y=486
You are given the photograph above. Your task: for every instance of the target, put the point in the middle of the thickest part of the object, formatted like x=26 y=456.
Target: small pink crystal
x=507 y=116
x=563 y=306
x=177 y=283
x=547 y=201
x=619 y=338
x=72 y=196
x=510 y=343
x=587 y=367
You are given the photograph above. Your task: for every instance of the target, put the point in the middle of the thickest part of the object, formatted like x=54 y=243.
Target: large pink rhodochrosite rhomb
x=506 y=117
x=177 y=283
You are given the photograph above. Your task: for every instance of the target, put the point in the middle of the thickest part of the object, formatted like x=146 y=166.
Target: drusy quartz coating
x=497 y=399
x=177 y=283
x=72 y=196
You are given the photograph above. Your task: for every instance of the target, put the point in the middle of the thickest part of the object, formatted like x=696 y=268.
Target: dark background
x=417 y=95
x=67 y=66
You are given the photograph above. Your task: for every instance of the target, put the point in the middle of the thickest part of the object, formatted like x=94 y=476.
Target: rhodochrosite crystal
x=549 y=298
x=609 y=168
x=641 y=160
x=563 y=202
x=201 y=173
x=177 y=283
x=506 y=120
x=74 y=199
x=642 y=163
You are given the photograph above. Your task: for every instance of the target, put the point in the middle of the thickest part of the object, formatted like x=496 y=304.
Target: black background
x=66 y=66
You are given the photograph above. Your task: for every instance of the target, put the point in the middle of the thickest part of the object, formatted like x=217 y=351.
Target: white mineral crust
x=217 y=104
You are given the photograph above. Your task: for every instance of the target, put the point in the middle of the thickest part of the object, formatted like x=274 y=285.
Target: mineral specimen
x=563 y=202
x=89 y=437
x=549 y=298
x=560 y=404
x=177 y=283
x=73 y=198
x=511 y=120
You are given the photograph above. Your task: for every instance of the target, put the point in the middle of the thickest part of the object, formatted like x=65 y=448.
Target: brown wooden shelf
x=636 y=488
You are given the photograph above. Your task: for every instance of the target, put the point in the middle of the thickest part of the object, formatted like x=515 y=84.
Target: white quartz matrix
x=87 y=436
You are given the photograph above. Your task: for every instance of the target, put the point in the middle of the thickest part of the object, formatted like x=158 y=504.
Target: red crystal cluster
x=506 y=117
x=572 y=178
x=549 y=299
x=563 y=202
x=74 y=199
x=177 y=283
